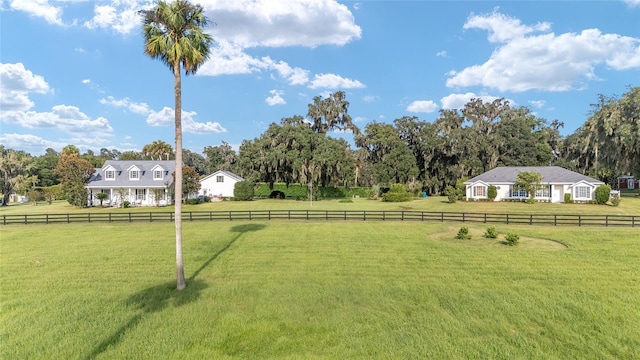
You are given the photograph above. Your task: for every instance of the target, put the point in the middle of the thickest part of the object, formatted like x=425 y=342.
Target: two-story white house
x=140 y=182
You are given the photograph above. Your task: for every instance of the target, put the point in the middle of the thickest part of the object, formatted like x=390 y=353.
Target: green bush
x=243 y=191
x=492 y=192
x=463 y=233
x=126 y=204
x=397 y=193
x=512 y=239
x=602 y=194
x=452 y=194
x=193 y=201
x=567 y=198
x=491 y=232
x=615 y=200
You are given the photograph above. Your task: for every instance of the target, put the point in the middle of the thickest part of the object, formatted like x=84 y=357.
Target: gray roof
x=122 y=174
x=550 y=175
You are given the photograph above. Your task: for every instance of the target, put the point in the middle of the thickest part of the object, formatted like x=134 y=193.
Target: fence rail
x=327 y=215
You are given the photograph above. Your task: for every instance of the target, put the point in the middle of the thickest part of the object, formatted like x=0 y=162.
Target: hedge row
x=299 y=191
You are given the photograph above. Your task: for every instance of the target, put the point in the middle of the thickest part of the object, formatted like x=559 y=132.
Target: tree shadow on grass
x=240 y=230
x=147 y=302
x=159 y=297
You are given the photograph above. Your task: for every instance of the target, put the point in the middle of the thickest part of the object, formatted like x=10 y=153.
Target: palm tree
x=174 y=34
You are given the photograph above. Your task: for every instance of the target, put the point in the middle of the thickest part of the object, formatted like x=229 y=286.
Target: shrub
x=461 y=188
x=602 y=194
x=374 y=192
x=126 y=204
x=452 y=194
x=243 y=191
x=492 y=192
x=193 y=201
x=276 y=194
x=615 y=200
x=512 y=239
x=463 y=233
x=567 y=198
x=397 y=193
x=491 y=232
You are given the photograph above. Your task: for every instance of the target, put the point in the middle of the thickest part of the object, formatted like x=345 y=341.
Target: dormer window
x=157 y=174
x=134 y=175
x=109 y=175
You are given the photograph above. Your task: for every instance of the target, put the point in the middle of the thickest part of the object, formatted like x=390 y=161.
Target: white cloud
x=458 y=101
x=86 y=81
x=165 y=117
x=16 y=82
x=422 y=106
x=39 y=8
x=537 y=103
x=63 y=117
x=121 y=16
x=30 y=143
x=442 y=53
x=369 y=98
x=332 y=81
x=276 y=98
x=310 y=23
x=135 y=107
x=633 y=3
x=551 y=62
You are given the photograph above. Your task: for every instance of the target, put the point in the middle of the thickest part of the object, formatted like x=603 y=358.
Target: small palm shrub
x=491 y=232
x=615 y=200
x=492 y=192
x=463 y=233
x=567 y=198
x=512 y=239
x=452 y=194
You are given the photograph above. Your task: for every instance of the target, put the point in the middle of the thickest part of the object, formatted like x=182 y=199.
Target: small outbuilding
x=626 y=182
x=219 y=185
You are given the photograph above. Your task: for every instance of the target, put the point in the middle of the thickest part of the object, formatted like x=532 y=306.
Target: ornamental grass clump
x=463 y=233
x=512 y=239
x=491 y=232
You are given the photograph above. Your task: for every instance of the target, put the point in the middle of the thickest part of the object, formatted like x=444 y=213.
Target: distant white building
x=219 y=185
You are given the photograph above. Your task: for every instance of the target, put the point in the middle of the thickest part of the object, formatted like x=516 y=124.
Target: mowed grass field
x=318 y=290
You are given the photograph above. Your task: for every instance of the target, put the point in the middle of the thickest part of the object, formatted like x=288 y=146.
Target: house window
x=134 y=175
x=219 y=178
x=479 y=191
x=109 y=175
x=544 y=192
x=518 y=192
x=141 y=194
x=157 y=175
x=582 y=192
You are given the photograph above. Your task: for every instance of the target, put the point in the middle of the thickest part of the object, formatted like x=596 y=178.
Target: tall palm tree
x=174 y=33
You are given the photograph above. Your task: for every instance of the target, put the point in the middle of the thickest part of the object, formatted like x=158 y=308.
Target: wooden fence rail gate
x=329 y=215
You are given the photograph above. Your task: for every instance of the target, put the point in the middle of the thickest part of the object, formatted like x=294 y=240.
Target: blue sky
x=74 y=72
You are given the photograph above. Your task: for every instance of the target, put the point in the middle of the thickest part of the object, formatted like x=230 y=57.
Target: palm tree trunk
x=177 y=88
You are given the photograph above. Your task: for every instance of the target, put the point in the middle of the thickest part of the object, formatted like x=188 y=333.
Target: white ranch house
x=219 y=185
x=556 y=181
x=140 y=182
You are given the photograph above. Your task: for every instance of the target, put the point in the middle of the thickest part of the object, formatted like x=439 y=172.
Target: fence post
x=507 y=219
x=109 y=217
x=442 y=216
x=530 y=219
x=171 y=216
x=129 y=217
x=4 y=219
x=307 y=214
x=579 y=220
x=462 y=217
x=485 y=218
x=89 y=217
x=25 y=220
x=68 y=220
x=46 y=219
x=555 y=220
x=606 y=220
x=150 y=216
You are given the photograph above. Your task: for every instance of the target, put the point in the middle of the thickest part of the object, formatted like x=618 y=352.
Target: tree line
x=424 y=156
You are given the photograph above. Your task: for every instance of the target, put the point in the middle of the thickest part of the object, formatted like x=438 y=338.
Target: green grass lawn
x=321 y=290
x=628 y=206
